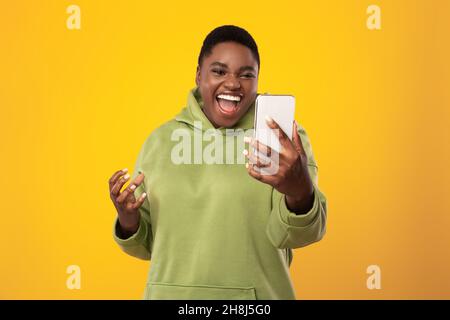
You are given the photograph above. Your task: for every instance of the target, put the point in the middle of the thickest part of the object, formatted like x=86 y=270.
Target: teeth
x=228 y=97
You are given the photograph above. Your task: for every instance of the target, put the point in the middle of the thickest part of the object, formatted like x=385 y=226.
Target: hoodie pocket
x=166 y=291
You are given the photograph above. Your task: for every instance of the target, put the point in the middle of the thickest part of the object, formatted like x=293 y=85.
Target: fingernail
x=132 y=187
x=126 y=176
x=269 y=119
x=247 y=139
x=144 y=195
x=125 y=170
x=245 y=152
x=246 y=165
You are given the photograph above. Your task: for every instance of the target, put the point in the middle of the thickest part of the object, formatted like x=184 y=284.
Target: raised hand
x=126 y=204
x=291 y=177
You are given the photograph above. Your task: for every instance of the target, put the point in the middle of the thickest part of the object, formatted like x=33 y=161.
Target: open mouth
x=229 y=103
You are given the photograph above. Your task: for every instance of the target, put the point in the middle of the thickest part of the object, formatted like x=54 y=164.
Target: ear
x=197 y=76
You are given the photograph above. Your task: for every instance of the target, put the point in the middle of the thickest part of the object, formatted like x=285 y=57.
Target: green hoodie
x=212 y=231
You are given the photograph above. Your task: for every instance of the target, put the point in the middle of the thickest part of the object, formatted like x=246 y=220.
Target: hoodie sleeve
x=286 y=229
x=139 y=244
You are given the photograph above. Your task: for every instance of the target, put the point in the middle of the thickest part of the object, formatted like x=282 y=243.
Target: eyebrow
x=223 y=65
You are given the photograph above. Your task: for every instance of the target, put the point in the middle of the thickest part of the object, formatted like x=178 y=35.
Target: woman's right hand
x=126 y=204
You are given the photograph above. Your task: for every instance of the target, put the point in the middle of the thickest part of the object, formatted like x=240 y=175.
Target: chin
x=225 y=122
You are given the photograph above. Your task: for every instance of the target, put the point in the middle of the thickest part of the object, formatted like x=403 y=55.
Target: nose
x=232 y=83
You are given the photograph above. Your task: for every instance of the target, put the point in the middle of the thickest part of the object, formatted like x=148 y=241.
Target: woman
x=219 y=230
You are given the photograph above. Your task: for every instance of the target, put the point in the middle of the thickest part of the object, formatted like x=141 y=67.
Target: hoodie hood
x=193 y=114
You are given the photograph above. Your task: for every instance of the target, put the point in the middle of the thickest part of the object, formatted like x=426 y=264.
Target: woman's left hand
x=291 y=176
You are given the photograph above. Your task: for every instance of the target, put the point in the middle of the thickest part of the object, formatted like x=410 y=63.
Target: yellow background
x=76 y=105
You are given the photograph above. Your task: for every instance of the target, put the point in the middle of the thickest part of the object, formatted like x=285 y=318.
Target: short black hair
x=228 y=33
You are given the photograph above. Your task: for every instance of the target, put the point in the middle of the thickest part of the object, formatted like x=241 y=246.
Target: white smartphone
x=280 y=108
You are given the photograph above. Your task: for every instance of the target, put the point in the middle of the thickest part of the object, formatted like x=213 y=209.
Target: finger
x=118 y=185
x=261 y=147
x=115 y=176
x=284 y=140
x=139 y=201
x=296 y=139
x=127 y=195
x=134 y=184
x=257 y=161
x=252 y=171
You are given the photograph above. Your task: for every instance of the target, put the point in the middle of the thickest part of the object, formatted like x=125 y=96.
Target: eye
x=248 y=75
x=219 y=72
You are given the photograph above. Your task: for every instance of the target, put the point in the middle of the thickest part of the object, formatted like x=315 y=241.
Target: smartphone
x=280 y=108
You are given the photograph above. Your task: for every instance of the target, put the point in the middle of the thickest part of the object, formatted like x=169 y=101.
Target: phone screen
x=280 y=108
